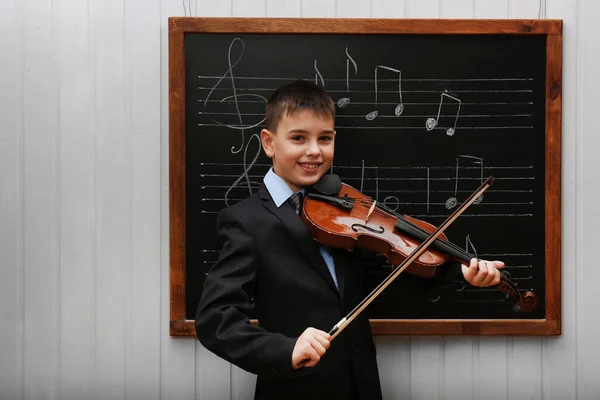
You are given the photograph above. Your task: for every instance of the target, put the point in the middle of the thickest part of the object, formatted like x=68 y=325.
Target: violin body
x=358 y=227
x=343 y=217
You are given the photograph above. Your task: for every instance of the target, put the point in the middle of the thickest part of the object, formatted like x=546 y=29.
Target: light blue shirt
x=281 y=192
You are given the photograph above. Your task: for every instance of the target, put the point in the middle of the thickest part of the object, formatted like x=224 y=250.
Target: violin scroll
x=520 y=303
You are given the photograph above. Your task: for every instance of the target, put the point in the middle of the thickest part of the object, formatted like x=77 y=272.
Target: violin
x=340 y=216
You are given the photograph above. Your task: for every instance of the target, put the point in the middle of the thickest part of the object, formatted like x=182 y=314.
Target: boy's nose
x=313 y=148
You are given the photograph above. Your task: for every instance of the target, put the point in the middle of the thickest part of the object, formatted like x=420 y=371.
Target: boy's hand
x=483 y=273
x=309 y=348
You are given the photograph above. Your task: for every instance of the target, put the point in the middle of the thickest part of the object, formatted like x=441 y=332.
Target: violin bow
x=344 y=322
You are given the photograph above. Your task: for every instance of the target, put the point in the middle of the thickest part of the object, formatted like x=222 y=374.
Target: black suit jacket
x=270 y=261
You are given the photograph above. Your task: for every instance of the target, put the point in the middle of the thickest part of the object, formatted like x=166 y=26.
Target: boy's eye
x=297 y=137
x=327 y=138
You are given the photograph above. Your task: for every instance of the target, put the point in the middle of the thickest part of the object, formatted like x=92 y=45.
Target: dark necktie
x=295 y=201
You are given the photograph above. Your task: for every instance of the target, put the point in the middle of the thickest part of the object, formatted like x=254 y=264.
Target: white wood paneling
x=41 y=134
x=113 y=200
x=588 y=213
x=426 y=359
x=387 y=8
x=318 y=8
x=490 y=368
x=214 y=8
x=559 y=357
x=178 y=374
x=77 y=203
x=243 y=385
x=214 y=377
x=11 y=201
x=143 y=102
x=393 y=360
x=457 y=9
x=459 y=370
x=284 y=8
x=353 y=9
x=524 y=368
x=490 y=9
x=249 y=8
x=178 y=356
x=526 y=8
x=421 y=8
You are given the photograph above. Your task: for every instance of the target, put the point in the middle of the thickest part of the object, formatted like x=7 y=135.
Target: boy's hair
x=298 y=96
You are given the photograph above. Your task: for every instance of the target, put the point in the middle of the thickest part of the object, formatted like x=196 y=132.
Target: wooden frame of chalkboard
x=549 y=141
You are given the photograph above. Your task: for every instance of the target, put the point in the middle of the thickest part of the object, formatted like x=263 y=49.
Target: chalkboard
x=426 y=110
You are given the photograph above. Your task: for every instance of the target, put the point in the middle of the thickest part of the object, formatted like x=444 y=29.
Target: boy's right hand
x=309 y=348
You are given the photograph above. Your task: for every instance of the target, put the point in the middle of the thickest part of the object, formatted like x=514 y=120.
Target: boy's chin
x=306 y=181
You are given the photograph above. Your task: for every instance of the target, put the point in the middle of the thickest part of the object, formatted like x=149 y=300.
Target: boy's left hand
x=482 y=273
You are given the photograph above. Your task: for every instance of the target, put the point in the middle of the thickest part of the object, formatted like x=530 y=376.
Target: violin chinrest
x=328 y=185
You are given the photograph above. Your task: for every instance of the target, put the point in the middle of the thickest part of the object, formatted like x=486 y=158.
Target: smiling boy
x=298 y=288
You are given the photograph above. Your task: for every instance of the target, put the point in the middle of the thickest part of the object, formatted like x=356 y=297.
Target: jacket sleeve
x=222 y=325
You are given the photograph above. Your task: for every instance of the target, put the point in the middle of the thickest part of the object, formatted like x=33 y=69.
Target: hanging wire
x=187 y=10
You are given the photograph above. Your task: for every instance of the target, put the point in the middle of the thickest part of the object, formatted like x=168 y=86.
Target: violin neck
x=440 y=245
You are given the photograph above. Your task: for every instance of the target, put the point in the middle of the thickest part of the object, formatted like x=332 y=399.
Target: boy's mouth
x=310 y=166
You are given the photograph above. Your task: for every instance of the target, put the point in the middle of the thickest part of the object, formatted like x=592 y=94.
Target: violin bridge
x=370 y=211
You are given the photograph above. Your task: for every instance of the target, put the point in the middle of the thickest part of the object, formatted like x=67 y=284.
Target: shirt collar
x=278 y=189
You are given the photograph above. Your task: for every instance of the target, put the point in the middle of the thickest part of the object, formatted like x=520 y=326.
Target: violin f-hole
x=368 y=228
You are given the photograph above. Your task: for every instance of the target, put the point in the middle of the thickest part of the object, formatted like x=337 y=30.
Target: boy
x=300 y=289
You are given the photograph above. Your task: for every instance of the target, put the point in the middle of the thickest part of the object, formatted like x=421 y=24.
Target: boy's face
x=301 y=148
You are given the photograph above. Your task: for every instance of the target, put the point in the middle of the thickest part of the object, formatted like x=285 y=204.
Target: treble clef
x=246 y=168
x=235 y=95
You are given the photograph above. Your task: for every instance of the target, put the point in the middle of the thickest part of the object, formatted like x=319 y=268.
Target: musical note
x=362 y=175
x=376 y=179
x=452 y=201
x=433 y=122
x=344 y=101
x=392 y=199
x=469 y=243
x=246 y=168
x=235 y=95
x=318 y=74
x=388 y=199
x=428 y=190
x=376 y=183
x=400 y=107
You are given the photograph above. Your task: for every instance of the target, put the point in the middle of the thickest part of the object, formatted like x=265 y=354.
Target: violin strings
x=450 y=244
x=455 y=247
x=391 y=213
x=368 y=203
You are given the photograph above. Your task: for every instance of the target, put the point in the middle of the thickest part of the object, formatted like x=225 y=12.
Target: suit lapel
x=300 y=234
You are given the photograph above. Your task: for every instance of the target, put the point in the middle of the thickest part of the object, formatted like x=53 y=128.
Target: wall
x=84 y=256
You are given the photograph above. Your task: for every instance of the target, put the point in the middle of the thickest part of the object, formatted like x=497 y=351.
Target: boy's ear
x=266 y=138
